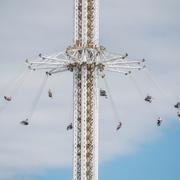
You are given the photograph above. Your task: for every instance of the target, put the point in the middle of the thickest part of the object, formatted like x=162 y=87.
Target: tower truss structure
x=88 y=61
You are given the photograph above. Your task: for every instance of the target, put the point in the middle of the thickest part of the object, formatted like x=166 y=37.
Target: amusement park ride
x=88 y=61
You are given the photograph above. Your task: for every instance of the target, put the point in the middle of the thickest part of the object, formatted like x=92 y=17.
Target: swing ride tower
x=88 y=61
x=86 y=43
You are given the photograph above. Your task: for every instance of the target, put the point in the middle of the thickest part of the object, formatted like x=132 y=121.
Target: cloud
x=146 y=29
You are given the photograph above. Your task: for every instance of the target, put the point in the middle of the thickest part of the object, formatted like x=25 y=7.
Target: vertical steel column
x=86 y=36
x=84 y=122
x=77 y=125
x=78 y=23
x=91 y=118
x=86 y=23
x=96 y=123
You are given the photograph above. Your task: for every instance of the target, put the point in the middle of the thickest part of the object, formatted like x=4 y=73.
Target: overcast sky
x=147 y=29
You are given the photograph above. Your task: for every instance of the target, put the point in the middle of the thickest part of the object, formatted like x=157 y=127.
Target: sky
x=147 y=29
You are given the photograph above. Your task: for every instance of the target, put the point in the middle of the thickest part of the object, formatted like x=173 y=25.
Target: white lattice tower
x=86 y=38
x=87 y=60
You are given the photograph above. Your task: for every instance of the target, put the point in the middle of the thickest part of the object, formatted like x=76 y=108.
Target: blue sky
x=159 y=160
x=155 y=161
x=147 y=29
